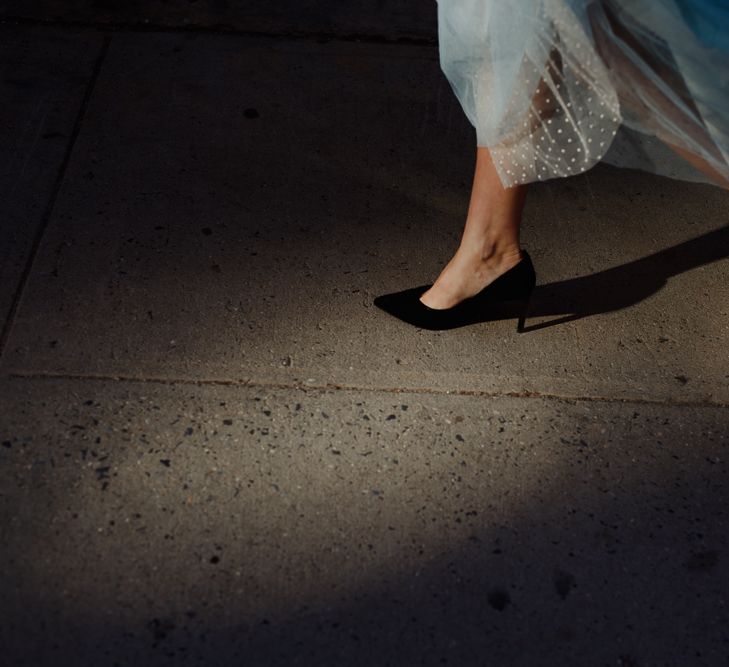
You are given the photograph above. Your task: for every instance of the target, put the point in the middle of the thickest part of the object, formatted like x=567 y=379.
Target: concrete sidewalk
x=216 y=451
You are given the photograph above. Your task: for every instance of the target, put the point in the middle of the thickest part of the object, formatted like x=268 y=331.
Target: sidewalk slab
x=228 y=221
x=388 y=19
x=147 y=523
x=657 y=251
x=43 y=77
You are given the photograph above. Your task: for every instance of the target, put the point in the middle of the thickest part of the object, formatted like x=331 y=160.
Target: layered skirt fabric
x=554 y=86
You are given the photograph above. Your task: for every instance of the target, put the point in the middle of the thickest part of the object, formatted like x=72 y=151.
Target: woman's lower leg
x=490 y=242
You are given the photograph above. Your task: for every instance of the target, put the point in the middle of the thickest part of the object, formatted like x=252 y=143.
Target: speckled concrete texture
x=212 y=525
x=239 y=220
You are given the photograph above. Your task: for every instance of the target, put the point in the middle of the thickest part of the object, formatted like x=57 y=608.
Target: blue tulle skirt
x=554 y=86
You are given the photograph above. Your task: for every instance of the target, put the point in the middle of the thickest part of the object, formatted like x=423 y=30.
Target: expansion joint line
x=336 y=386
x=50 y=205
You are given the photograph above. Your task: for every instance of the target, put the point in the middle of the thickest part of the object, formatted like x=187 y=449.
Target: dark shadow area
x=385 y=20
x=625 y=285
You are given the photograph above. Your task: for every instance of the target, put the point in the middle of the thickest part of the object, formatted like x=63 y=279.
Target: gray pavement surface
x=215 y=451
x=157 y=524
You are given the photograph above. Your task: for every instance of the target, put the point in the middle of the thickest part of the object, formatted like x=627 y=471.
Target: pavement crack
x=336 y=386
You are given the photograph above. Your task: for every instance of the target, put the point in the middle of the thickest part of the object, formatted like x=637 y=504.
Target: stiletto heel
x=497 y=300
x=523 y=315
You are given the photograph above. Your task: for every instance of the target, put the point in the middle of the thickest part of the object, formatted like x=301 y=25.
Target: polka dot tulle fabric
x=549 y=84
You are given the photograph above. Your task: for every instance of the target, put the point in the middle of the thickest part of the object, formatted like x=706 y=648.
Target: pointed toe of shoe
x=407 y=307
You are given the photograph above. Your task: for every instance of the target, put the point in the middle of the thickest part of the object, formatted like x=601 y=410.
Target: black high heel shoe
x=505 y=297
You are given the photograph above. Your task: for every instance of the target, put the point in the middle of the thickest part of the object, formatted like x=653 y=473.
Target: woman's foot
x=467 y=273
x=505 y=297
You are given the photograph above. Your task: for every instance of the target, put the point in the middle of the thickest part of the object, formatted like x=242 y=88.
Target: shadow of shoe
x=625 y=285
